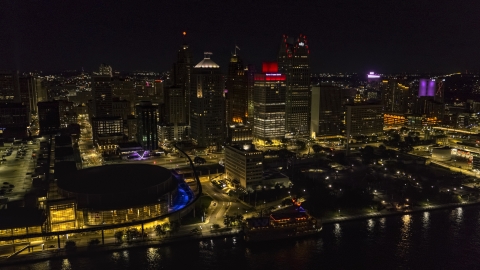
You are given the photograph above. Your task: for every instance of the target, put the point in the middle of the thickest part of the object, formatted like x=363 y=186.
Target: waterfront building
x=244 y=165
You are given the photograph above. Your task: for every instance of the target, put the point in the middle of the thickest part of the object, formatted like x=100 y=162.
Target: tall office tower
x=174 y=112
x=293 y=61
x=207 y=104
x=250 y=82
x=102 y=95
x=105 y=70
x=124 y=89
x=9 y=86
x=182 y=70
x=269 y=104
x=395 y=96
x=430 y=101
x=147 y=123
x=28 y=94
x=327 y=111
x=121 y=107
x=237 y=99
x=49 y=117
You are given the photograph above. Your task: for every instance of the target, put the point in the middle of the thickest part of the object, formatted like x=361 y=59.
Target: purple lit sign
x=431 y=88
x=426 y=88
x=422 y=90
x=372 y=75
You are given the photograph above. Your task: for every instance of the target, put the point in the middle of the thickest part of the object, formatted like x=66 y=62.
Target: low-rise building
x=244 y=164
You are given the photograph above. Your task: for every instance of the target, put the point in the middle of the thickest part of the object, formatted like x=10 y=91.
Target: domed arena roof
x=111 y=179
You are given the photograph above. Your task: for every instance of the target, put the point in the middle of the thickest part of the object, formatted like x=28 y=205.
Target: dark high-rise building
x=269 y=104
x=102 y=95
x=327 y=110
x=250 y=82
x=237 y=96
x=9 y=86
x=293 y=61
x=182 y=70
x=207 y=104
x=28 y=94
x=147 y=125
x=49 y=117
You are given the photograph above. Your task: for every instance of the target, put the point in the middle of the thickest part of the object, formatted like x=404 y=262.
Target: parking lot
x=16 y=168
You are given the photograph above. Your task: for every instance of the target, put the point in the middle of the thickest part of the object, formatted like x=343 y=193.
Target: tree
x=316 y=148
x=70 y=245
x=118 y=236
x=159 y=231
x=227 y=221
x=93 y=242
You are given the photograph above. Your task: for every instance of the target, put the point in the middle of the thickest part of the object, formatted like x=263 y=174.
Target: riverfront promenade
x=186 y=235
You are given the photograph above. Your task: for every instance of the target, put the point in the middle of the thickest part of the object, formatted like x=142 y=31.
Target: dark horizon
x=344 y=36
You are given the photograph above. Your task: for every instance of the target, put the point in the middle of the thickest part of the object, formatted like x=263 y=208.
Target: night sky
x=344 y=35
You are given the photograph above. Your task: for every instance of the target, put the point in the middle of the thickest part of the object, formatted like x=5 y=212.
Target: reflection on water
x=66 y=264
x=443 y=239
x=153 y=256
x=403 y=246
x=426 y=223
x=370 y=225
x=337 y=231
x=382 y=224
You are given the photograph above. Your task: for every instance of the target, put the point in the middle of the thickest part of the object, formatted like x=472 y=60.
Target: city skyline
x=343 y=36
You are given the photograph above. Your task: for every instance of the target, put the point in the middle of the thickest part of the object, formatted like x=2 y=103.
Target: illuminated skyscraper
x=269 y=104
x=293 y=61
x=395 y=96
x=207 y=104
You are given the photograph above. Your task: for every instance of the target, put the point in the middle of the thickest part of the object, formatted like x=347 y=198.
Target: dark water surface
x=442 y=239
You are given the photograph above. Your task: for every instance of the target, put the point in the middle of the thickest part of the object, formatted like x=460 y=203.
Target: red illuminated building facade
x=269 y=103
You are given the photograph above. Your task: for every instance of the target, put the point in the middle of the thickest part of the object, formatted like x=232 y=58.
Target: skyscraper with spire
x=293 y=61
x=237 y=95
x=182 y=70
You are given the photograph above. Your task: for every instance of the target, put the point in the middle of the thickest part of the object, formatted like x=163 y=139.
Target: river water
x=441 y=239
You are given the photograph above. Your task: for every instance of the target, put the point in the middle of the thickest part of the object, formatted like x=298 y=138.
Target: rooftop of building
x=63 y=141
x=207 y=62
x=247 y=148
x=21 y=217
